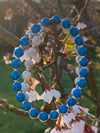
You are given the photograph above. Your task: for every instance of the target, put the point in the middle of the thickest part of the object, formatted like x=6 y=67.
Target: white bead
x=26 y=75
x=77 y=70
x=25 y=87
x=78 y=58
x=28 y=64
x=26 y=97
x=36 y=40
x=66 y=31
x=31 y=52
x=76 y=80
x=72 y=39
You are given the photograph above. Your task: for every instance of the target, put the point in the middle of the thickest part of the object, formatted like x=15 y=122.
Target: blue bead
x=82 y=51
x=45 y=22
x=16 y=63
x=19 y=52
x=84 y=73
x=74 y=31
x=57 y=18
x=20 y=97
x=77 y=92
x=79 y=41
x=84 y=62
x=24 y=41
x=26 y=106
x=66 y=24
x=43 y=116
x=35 y=28
x=71 y=101
x=54 y=115
x=63 y=109
x=16 y=86
x=34 y=113
x=81 y=83
x=15 y=75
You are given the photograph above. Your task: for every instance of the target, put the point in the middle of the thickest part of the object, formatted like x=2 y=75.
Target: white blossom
x=55 y=93
x=94 y=129
x=25 y=56
x=36 y=58
x=33 y=95
x=56 y=131
x=67 y=118
x=36 y=40
x=81 y=25
x=26 y=75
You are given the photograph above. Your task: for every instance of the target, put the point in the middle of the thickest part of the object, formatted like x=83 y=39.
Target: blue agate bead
x=16 y=86
x=84 y=73
x=54 y=115
x=16 y=63
x=20 y=97
x=57 y=18
x=74 y=31
x=81 y=83
x=84 y=62
x=82 y=51
x=15 y=75
x=63 y=109
x=19 y=52
x=76 y=92
x=79 y=41
x=24 y=41
x=35 y=28
x=43 y=116
x=34 y=113
x=71 y=101
x=66 y=24
x=45 y=22
x=26 y=106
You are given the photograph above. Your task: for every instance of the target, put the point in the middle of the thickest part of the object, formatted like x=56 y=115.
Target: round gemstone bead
x=26 y=106
x=15 y=75
x=26 y=75
x=54 y=115
x=76 y=92
x=63 y=109
x=82 y=51
x=81 y=83
x=43 y=116
x=84 y=62
x=71 y=101
x=16 y=86
x=79 y=41
x=45 y=22
x=20 y=97
x=19 y=52
x=34 y=113
x=16 y=63
x=84 y=73
x=24 y=41
x=57 y=18
x=66 y=24
x=76 y=80
x=74 y=31
x=35 y=28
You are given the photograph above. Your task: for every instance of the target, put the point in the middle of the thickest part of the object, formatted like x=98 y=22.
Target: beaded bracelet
x=81 y=70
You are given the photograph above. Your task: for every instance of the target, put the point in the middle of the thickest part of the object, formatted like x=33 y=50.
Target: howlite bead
x=20 y=97
x=24 y=41
x=54 y=115
x=63 y=109
x=35 y=28
x=34 y=113
x=15 y=75
x=43 y=116
x=66 y=24
x=16 y=63
x=74 y=31
x=16 y=86
x=71 y=101
x=19 y=52
x=57 y=18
